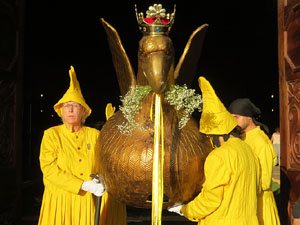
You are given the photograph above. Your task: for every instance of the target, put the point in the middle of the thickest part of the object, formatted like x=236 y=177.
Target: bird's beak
x=155 y=61
x=156 y=69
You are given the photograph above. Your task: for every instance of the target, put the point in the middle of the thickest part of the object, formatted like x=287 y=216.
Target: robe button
x=78 y=148
x=79 y=160
x=81 y=174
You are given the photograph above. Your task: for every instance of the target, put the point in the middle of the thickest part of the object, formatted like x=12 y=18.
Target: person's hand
x=94 y=187
x=176 y=208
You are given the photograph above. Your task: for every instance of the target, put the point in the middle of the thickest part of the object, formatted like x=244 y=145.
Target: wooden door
x=11 y=70
x=289 y=92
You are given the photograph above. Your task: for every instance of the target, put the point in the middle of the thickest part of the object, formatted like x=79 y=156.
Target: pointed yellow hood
x=215 y=118
x=73 y=94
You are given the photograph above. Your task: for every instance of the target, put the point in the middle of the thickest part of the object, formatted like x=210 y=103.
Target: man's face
x=243 y=121
x=72 y=113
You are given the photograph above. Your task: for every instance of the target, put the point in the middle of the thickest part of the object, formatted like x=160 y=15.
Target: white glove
x=176 y=209
x=93 y=187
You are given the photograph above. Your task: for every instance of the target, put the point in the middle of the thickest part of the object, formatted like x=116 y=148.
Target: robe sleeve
x=52 y=173
x=266 y=160
x=210 y=198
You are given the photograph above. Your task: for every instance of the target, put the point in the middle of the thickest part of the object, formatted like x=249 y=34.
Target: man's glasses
x=69 y=105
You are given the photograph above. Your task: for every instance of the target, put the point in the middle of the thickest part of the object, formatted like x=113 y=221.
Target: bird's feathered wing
x=125 y=73
x=186 y=68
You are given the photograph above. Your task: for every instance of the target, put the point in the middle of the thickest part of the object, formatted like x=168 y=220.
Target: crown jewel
x=157 y=22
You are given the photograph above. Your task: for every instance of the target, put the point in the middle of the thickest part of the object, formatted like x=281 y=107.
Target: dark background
x=239 y=55
x=239 y=58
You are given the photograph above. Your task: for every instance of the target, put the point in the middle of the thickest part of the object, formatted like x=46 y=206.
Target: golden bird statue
x=126 y=140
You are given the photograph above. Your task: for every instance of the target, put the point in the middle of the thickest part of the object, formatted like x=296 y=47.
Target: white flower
x=131 y=105
x=183 y=99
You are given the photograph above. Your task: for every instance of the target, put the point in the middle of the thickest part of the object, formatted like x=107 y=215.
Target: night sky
x=239 y=55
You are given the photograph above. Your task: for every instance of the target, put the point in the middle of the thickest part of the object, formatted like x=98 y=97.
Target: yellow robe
x=263 y=148
x=112 y=211
x=67 y=159
x=229 y=193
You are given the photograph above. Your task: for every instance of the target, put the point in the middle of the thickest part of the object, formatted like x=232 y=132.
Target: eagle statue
x=126 y=140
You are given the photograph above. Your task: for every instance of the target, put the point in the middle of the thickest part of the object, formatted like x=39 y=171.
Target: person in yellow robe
x=68 y=156
x=229 y=192
x=245 y=112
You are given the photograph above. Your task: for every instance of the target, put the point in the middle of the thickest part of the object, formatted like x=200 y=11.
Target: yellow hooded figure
x=68 y=157
x=215 y=118
x=73 y=94
x=229 y=192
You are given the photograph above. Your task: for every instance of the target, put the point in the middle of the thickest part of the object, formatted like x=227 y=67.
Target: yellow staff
x=158 y=161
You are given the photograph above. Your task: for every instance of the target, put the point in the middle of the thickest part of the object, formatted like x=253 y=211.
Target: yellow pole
x=158 y=159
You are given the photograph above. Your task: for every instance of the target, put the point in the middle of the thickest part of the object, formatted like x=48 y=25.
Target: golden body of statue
x=126 y=159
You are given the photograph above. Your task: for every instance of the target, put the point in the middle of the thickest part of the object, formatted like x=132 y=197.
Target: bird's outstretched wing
x=186 y=68
x=125 y=73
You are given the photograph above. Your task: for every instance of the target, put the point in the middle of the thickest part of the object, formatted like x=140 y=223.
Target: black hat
x=244 y=107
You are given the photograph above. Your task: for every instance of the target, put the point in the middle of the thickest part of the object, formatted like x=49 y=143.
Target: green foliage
x=131 y=105
x=184 y=100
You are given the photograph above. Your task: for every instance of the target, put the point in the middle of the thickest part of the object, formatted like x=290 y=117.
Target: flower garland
x=131 y=105
x=185 y=101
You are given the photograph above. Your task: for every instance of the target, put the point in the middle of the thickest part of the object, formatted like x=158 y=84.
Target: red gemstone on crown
x=151 y=20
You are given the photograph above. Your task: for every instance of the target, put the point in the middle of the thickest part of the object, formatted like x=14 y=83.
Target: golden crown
x=157 y=22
